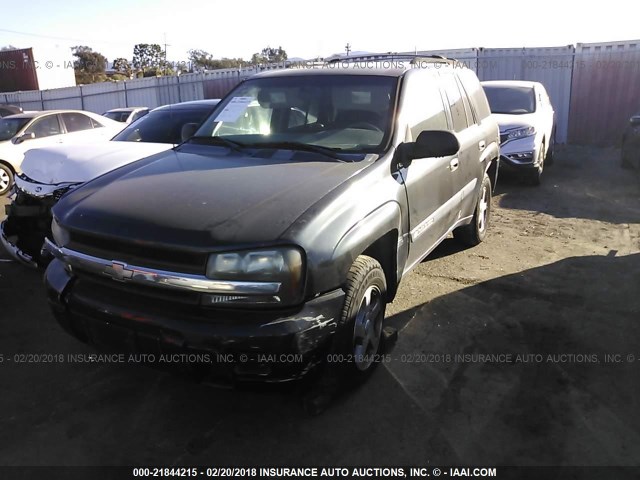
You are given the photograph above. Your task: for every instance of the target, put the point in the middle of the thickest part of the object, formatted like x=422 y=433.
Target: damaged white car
x=49 y=173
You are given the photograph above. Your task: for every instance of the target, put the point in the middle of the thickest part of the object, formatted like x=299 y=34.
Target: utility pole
x=165 y=50
x=347 y=47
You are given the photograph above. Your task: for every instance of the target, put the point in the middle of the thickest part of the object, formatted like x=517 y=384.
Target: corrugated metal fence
x=594 y=88
x=605 y=91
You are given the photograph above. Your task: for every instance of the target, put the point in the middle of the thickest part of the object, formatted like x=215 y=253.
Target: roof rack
x=394 y=56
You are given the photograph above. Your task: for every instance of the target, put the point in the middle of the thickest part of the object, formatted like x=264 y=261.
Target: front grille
x=142 y=255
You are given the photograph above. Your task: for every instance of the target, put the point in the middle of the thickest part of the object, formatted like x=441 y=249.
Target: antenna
x=347 y=48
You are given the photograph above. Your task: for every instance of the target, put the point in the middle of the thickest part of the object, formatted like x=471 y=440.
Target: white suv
x=527 y=126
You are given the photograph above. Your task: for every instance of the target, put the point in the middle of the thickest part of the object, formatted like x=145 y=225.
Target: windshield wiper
x=307 y=147
x=233 y=145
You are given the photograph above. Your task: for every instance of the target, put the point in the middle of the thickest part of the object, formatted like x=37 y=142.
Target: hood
x=509 y=122
x=79 y=163
x=198 y=197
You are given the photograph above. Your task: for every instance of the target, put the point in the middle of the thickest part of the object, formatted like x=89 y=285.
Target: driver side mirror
x=188 y=130
x=25 y=136
x=430 y=144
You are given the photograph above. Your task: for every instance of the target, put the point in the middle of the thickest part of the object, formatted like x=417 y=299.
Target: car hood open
x=198 y=197
x=80 y=163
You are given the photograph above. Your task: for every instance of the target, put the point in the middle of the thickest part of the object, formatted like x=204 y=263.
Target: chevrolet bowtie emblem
x=118 y=271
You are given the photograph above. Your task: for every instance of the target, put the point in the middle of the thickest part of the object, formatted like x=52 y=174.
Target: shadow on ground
x=578 y=409
x=583 y=183
x=549 y=395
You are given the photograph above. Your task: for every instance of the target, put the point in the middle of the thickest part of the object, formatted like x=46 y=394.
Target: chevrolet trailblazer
x=285 y=224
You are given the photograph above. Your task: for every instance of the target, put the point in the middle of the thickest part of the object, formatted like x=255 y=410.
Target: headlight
x=521 y=132
x=283 y=266
x=60 y=234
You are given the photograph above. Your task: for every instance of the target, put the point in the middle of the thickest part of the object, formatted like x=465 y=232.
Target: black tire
x=534 y=176
x=474 y=233
x=549 y=159
x=6 y=178
x=358 y=340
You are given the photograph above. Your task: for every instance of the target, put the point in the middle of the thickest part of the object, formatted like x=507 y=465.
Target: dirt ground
x=522 y=351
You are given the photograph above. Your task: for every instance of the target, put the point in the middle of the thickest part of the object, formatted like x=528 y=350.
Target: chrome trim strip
x=123 y=272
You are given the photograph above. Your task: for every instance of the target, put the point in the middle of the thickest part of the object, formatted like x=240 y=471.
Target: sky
x=310 y=29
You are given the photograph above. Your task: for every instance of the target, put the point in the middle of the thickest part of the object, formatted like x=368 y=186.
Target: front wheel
x=474 y=233
x=6 y=178
x=549 y=159
x=357 y=343
x=534 y=176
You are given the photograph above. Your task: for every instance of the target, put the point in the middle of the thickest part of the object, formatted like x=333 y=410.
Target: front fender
x=380 y=222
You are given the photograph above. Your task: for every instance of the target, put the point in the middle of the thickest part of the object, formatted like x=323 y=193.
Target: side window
x=477 y=97
x=454 y=96
x=468 y=110
x=76 y=122
x=428 y=110
x=45 y=127
x=95 y=123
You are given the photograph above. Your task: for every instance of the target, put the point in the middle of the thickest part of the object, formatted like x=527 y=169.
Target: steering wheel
x=365 y=126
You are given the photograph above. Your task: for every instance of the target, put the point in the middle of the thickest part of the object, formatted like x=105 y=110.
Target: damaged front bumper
x=13 y=250
x=238 y=345
x=28 y=220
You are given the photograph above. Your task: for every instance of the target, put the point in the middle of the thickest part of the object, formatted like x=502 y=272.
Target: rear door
x=465 y=174
x=78 y=126
x=427 y=180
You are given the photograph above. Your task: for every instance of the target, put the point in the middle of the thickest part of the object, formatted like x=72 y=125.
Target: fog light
x=521 y=156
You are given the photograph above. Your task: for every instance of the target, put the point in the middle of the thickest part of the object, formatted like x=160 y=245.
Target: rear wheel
x=474 y=233
x=6 y=178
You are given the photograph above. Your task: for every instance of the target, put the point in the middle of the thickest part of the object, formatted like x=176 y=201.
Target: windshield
x=162 y=126
x=351 y=113
x=512 y=100
x=10 y=126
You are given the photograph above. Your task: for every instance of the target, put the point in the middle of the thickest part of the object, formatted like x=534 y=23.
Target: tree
x=123 y=66
x=269 y=55
x=201 y=60
x=89 y=66
x=148 y=59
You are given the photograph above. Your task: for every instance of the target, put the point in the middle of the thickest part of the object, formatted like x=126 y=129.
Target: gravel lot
x=522 y=351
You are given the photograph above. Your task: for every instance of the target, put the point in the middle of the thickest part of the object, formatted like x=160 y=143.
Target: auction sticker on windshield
x=232 y=111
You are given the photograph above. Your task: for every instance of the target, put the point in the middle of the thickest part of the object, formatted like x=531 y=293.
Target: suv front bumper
x=262 y=345
x=520 y=155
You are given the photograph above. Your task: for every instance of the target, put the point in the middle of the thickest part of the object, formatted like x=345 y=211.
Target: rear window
x=510 y=100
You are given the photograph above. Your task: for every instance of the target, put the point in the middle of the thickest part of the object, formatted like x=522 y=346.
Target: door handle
x=482 y=145
x=454 y=164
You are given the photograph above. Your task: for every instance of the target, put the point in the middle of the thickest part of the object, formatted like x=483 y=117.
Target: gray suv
x=271 y=241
